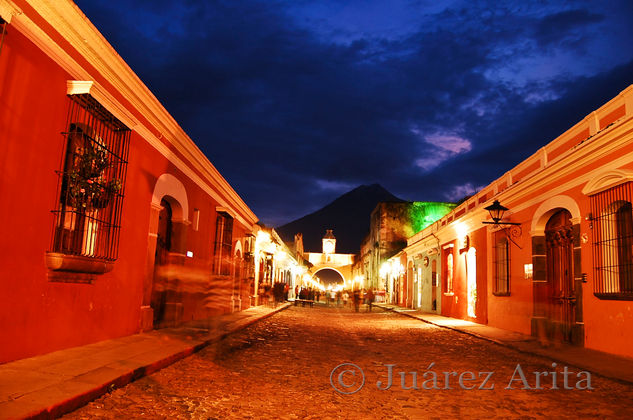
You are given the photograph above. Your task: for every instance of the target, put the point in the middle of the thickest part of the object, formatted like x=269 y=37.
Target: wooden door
x=560 y=277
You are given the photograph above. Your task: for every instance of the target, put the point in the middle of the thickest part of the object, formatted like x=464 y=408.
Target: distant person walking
x=356 y=298
x=370 y=299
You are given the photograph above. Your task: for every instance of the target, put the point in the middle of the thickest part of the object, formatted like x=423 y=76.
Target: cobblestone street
x=281 y=368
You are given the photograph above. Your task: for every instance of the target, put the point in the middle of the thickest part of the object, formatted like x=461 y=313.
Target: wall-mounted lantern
x=496 y=211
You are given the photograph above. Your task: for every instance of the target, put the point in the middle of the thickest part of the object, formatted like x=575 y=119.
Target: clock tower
x=329 y=242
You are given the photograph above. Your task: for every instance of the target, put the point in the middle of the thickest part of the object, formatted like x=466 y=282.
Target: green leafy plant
x=87 y=186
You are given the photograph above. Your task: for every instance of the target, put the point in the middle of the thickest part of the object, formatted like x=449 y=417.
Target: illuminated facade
x=391 y=224
x=119 y=222
x=276 y=262
x=564 y=272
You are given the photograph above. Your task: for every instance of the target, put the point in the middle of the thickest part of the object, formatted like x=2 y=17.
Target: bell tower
x=329 y=242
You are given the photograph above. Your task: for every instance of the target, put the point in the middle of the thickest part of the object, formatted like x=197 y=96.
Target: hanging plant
x=87 y=187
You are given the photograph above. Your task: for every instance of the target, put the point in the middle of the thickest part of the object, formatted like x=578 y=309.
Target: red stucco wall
x=36 y=315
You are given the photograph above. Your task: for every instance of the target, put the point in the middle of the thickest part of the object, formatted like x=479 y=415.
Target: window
x=501 y=254
x=449 y=273
x=613 y=242
x=223 y=244
x=87 y=216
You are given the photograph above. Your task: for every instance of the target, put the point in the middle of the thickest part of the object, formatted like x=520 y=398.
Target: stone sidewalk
x=53 y=384
x=608 y=365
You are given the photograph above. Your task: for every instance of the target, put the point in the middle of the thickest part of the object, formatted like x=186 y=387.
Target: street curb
x=483 y=337
x=79 y=400
x=512 y=347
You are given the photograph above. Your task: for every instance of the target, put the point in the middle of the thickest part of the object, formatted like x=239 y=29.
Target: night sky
x=297 y=102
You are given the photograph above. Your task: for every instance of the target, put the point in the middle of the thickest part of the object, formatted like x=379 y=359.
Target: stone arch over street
x=342 y=263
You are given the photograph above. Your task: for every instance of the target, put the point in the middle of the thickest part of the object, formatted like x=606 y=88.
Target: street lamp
x=496 y=211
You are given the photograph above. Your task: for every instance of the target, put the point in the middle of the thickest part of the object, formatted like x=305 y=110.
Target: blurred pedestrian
x=356 y=298
x=370 y=299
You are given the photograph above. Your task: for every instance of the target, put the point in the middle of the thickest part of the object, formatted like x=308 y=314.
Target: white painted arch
x=551 y=206
x=238 y=248
x=168 y=185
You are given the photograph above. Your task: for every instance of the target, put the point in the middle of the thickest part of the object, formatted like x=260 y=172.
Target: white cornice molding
x=606 y=180
x=224 y=209
x=186 y=169
x=601 y=146
x=80 y=87
x=605 y=143
x=589 y=123
x=75 y=87
x=608 y=143
x=8 y=9
x=37 y=36
x=74 y=26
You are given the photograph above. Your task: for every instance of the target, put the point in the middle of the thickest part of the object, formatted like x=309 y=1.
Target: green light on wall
x=424 y=213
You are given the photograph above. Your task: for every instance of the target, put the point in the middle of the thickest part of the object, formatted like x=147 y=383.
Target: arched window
x=613 y=242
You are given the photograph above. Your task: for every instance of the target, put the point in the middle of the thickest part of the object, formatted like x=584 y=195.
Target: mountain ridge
x=347 y=215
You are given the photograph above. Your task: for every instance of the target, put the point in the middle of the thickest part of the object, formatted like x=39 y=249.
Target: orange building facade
x=563 y=271
x=115 y=222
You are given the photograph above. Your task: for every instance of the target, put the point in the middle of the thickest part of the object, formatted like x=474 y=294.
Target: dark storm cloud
x=296 y=102
x=561 y=26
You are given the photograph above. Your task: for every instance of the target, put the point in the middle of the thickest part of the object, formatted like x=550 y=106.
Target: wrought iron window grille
x=612 y=229
x=87 y=216
x=501 y=265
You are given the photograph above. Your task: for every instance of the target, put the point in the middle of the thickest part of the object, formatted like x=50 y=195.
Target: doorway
x=471 y=282
x=163 y=247
x=561 y=296
x=434 y=286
